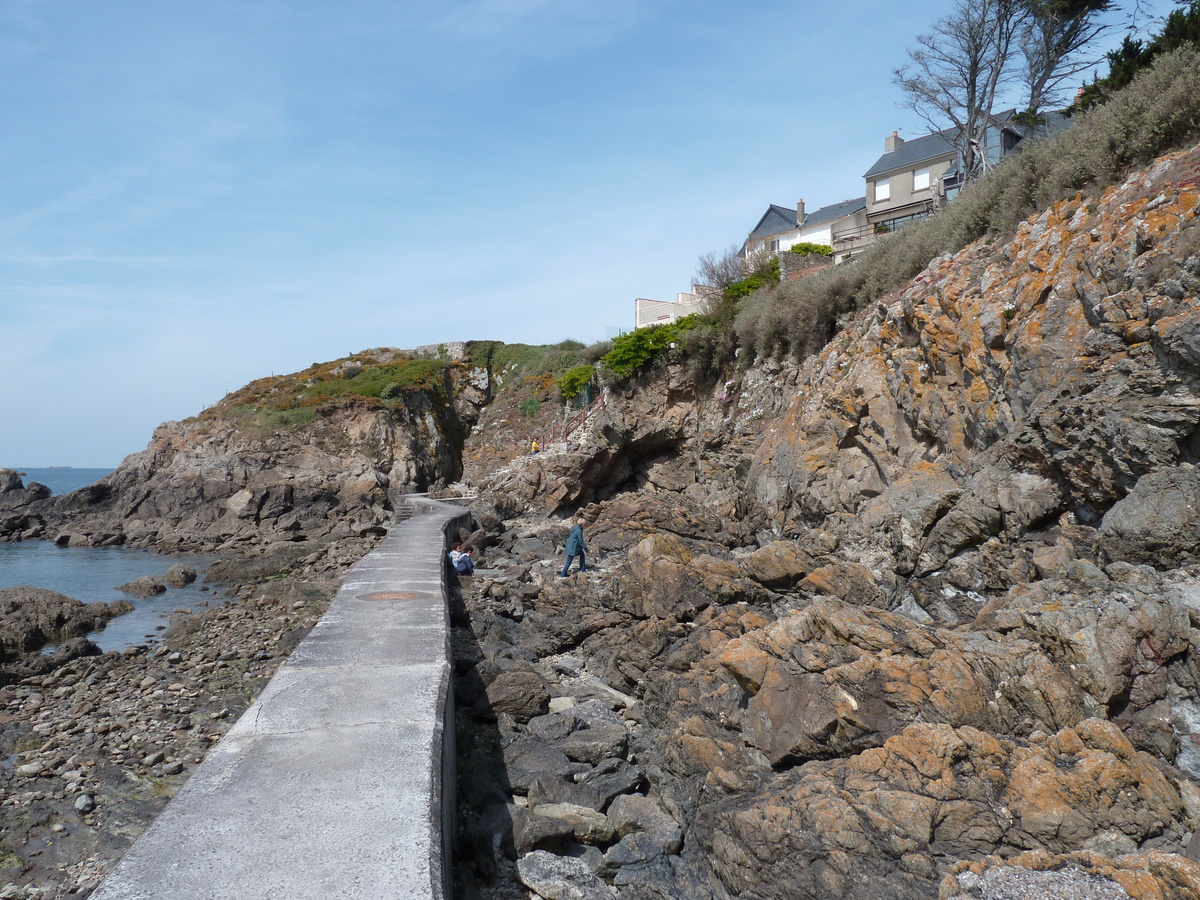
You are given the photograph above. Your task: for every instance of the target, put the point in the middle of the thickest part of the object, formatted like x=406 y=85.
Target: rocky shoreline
x=757 y=737
x=95 y=747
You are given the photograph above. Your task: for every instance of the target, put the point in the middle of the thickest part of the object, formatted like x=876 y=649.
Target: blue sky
x=194 y=195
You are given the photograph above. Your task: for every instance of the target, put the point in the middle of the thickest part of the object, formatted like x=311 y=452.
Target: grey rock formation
x=143 y=587
x=561 y=878
x=1158 y=522
x=30 y=618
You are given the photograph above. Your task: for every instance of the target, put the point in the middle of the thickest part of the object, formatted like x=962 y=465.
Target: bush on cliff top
x=508 y=362
x=574 y=380
x=635 y=349
x=1158 y=112
x=808 y=248
x=386 y=382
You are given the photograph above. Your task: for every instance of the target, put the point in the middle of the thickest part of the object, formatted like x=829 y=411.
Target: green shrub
x=574 y=381
x=809 y=248
x=1181 y=29
x=633 y=350
x=288 y=418
x=529 y=408
x=765 y=274
x=511 y=362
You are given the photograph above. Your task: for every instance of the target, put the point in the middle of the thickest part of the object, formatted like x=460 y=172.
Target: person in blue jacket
x=575 y=547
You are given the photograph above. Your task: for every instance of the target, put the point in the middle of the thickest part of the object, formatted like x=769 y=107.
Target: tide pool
x=93 y=573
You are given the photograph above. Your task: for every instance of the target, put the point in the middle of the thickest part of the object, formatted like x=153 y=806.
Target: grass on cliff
x=509 y=362
x=373 y=377
x=1158 y=112
x=534 y=368
x=384 y=377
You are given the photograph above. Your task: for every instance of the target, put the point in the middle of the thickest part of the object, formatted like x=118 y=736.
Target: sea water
x=62 y=479
x=93 y=573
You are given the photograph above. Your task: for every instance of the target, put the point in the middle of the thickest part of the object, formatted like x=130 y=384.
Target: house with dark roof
x=775 y=231
x=910 y=179
x=915 y=177
x=842 y=226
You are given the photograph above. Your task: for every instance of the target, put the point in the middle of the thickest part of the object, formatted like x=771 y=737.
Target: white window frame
x=883 y=190
x=921 y=180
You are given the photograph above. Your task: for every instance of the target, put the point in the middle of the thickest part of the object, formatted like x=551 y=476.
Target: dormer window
x=921 y=180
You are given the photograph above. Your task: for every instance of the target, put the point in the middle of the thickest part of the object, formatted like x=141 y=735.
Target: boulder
x=588 y=825
x=665 y=577
x=613 y=777
x=179 y=575
x=533 y=831
x=631 y=856
x=595 y=743
x=522 y=695
x=779 y=565
x=526 y=759
x=561 y=878
x=630 y=813
x=143 y=587
x=556 y=789
x=1158 y=522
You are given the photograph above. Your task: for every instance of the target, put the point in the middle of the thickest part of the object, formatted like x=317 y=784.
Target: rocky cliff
x=918 y=617
x=308 y=458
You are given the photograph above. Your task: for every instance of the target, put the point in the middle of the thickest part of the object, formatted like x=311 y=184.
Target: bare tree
x=719 y=270
x=1054 y=44
x=960 y=68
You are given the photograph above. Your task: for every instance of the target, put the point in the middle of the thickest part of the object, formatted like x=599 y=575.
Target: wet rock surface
x=94 y=745
x=31 y=618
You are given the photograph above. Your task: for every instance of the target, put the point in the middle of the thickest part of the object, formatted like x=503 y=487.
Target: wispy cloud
x=94 y=189
x=44 y=260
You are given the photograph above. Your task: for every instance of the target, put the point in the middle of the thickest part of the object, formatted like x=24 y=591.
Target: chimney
x=891 y=142
x=800 y=211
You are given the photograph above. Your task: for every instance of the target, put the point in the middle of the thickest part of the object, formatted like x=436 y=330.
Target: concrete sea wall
x=338 y=780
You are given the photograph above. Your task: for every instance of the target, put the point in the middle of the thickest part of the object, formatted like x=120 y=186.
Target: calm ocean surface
x=62 y=481
x=93 y=573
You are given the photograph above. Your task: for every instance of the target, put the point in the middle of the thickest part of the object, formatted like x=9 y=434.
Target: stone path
x=330 y=785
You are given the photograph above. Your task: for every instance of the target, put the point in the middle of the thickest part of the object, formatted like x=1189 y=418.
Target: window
x=921 y=180
x=898 y=223
x=883 y=189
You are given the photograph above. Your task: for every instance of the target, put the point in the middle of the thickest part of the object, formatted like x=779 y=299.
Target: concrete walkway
x=331 y=784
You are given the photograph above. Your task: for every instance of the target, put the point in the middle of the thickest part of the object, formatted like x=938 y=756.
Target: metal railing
x=582 y=417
